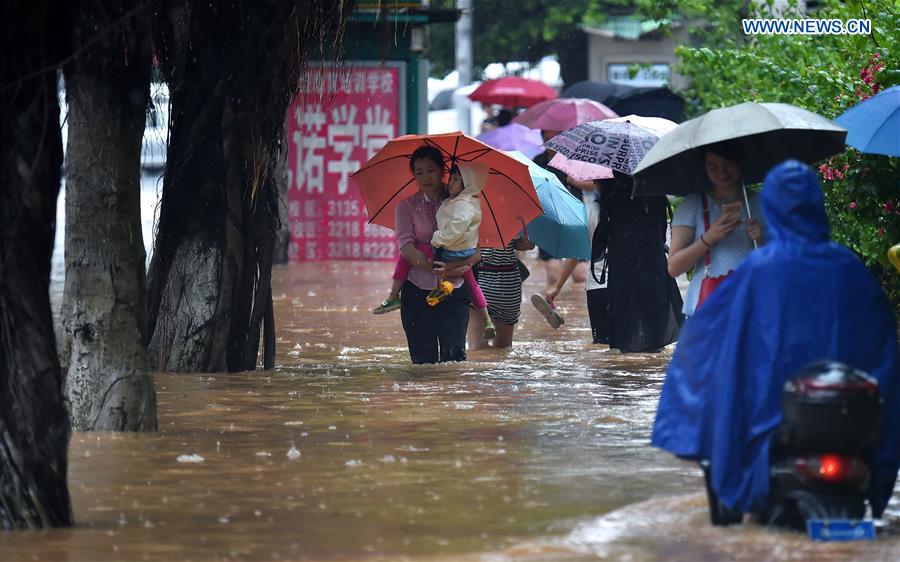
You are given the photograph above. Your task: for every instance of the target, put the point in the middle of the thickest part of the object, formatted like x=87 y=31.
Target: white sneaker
x=553 y=317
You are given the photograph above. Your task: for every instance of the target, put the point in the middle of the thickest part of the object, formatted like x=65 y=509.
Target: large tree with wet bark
x=34 y=427
x=233 y=68
x=108 y=385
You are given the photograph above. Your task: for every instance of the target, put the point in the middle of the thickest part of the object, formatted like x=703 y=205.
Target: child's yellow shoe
x=439 y=293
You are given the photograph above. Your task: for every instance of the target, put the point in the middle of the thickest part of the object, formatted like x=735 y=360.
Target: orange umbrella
x=508 y=197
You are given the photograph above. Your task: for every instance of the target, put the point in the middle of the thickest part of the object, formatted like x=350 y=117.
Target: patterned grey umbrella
x=617 y=144
x=767 y=134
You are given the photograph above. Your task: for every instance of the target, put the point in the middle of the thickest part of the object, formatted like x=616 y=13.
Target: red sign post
x=340 y=119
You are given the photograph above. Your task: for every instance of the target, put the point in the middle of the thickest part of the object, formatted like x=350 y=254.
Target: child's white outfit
x=458 y=218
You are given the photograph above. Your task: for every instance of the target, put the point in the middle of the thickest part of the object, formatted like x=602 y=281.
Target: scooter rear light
x=831 y=468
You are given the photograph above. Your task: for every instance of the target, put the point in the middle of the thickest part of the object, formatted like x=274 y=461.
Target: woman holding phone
x=713 y=232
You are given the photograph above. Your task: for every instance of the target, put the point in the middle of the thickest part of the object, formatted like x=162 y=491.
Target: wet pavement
x=347 y=452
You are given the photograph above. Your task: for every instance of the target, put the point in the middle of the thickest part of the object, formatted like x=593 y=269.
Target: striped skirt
x=502 y=287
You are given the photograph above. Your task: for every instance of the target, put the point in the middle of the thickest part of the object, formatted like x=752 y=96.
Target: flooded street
x=347 y=452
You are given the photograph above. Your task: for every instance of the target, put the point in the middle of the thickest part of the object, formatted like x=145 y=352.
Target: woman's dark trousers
x=435 y=334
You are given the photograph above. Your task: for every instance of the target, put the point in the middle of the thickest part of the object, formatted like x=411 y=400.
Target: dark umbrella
x=767 y=133
x=627 y=100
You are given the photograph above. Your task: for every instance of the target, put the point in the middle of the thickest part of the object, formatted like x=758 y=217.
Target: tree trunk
x=233 y=68
x=108 y=386
x=186 y=325
x=282 y=181
x=34 y=427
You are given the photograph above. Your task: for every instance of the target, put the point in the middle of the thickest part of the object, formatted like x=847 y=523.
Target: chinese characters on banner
x=339 y=120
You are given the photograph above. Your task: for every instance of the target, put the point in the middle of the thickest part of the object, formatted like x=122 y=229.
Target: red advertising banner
x=340 y=118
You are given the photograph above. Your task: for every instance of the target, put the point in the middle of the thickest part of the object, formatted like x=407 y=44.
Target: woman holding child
x=434 y=333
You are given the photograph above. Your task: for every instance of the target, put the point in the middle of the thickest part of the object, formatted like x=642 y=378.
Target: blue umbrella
x=562 y=230
x=873 y=126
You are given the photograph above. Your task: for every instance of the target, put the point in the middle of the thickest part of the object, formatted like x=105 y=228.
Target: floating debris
x=190 y=458
x=293 y=453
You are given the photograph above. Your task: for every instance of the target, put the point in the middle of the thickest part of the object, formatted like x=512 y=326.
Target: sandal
x=389 y=305
x=549 y=312
x=489 y=331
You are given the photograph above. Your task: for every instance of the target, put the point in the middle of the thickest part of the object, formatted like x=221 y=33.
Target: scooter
x=819 y=472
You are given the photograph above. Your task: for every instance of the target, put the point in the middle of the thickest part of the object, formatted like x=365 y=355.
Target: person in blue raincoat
x=799 y=299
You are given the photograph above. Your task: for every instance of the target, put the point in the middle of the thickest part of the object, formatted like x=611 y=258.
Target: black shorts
x=544 y=255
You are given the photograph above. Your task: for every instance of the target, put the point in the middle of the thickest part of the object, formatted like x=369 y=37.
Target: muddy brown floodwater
x=347 y=452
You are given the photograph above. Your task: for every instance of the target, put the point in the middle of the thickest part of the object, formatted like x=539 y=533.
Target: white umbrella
x=767 y=134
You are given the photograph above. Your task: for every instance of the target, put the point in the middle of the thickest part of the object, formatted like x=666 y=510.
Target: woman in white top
x=727 y=242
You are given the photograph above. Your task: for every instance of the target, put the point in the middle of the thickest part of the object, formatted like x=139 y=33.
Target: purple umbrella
x=514 y=137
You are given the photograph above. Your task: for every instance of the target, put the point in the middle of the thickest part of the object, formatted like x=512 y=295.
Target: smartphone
x=731 y=208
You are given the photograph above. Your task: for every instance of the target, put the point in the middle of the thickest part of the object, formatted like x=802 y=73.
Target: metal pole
x=464 y=61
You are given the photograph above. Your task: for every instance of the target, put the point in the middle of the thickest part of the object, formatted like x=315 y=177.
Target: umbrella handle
x=524 y=230
x=747 y=204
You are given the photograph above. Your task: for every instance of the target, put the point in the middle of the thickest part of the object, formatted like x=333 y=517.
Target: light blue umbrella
x=562 y=230
x=873 y=126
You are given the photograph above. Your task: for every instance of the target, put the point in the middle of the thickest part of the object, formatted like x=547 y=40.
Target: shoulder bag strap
x=600 y=240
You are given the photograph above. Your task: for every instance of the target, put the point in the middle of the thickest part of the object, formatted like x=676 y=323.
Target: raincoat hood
x=800 y=298
x=474 y=176
x=458 y=218
x=793 y=205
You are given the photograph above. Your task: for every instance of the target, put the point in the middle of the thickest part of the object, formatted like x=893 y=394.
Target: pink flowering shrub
x=867 y=75
x=862 y=190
